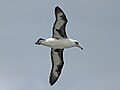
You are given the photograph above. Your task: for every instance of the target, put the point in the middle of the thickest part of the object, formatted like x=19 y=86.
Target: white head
x=77 y=44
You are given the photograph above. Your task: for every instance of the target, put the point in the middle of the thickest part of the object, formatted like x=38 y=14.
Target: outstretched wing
x=60 y=24
x=57 y=64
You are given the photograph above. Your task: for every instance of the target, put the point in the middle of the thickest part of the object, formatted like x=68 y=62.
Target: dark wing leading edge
x=57 y=64
x=60 y=24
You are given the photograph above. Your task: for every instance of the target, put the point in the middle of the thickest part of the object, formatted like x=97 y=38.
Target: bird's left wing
x=60 y=24
x=57 y=64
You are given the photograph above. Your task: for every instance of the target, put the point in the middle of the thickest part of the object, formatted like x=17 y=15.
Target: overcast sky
x=94 y=23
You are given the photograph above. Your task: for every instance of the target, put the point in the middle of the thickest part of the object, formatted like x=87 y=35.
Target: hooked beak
x=79 y=47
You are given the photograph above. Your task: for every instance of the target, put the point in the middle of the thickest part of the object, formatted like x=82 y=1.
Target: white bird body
x=59 y=43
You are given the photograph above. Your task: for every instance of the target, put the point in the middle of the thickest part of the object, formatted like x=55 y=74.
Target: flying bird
x=58 y=42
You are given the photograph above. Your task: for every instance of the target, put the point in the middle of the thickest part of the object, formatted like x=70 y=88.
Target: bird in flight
x=58 y=42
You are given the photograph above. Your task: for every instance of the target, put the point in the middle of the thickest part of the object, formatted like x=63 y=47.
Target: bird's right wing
x=57 y=64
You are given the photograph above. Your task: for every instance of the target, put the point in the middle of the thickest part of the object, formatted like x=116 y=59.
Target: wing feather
x=57 y=64
x=60 y=24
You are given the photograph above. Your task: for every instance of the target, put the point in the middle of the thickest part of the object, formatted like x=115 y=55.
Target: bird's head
x=78 y=45
x=39 y=41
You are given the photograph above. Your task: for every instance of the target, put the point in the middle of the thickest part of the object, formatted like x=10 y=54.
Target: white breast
x=59 y=43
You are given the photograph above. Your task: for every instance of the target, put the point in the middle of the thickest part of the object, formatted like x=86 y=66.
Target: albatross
x=58 y=42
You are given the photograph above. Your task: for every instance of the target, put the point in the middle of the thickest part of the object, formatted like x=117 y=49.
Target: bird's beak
x=79 y=47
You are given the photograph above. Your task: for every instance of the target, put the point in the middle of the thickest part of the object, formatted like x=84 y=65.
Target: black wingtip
x=58 y=9
x=51 y=83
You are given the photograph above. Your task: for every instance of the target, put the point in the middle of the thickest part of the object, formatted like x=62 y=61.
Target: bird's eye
x=76 y=43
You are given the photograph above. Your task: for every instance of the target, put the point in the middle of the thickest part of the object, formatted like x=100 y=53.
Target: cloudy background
x=94 y=23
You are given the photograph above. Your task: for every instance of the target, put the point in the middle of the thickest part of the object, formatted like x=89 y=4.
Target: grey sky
x=25 y=66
